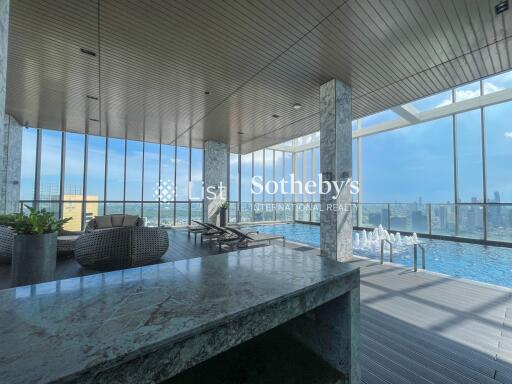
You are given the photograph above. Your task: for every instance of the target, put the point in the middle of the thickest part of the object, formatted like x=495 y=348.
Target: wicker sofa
x=6 y=244
x=119 y=248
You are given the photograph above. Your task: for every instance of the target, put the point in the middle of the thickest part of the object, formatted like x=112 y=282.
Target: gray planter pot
x=222 y=217
x=34 y=258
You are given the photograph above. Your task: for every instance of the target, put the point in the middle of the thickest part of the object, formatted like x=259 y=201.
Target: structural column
x=336 y=166
x=215 y=179
x=10 y=130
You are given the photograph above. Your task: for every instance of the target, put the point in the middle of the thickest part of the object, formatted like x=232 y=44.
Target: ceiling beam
x=407 y=112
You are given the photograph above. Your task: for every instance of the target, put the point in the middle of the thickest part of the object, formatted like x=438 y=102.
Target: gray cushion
x=117 y=220
x=103 y=222
x=129 y=220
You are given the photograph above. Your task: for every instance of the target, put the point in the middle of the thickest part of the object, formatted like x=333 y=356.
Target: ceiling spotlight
x=275 y=116
x=88 y=52
x=297 y=106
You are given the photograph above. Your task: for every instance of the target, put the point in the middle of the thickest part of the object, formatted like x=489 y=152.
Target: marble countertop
x=56 y=331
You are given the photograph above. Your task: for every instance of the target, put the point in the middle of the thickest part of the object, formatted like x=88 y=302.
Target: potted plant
x=34 y=253
x=223 y=208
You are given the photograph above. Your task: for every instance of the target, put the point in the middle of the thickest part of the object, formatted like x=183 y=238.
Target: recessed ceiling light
x=88 y=52
x=275 y=116
x=297 y=106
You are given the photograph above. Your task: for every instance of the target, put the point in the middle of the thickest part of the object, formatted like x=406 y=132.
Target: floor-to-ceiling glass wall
x=438 y=166
x=82 y=176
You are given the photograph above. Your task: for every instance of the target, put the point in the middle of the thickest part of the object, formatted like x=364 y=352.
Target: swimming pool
x=482 y=263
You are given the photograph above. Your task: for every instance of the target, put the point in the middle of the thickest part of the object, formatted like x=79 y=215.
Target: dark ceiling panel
x=154 y=60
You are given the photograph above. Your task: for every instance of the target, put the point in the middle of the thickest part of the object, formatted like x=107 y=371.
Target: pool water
x=487 y=264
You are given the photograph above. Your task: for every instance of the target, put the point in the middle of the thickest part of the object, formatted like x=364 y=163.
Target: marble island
x=148 y=324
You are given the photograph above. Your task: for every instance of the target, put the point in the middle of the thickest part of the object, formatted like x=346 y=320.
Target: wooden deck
x=422 y=327
x=415 y=327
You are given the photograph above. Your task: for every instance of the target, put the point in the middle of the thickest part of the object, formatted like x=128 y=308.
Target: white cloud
x=490 y=87
x=508 y=135
x=444 y=103
x=461 y=94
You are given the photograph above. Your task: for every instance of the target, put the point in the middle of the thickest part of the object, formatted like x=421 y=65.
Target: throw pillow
x=103 y=222
x=130 y=220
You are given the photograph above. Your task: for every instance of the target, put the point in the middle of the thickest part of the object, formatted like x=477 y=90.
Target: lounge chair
x=199 y=228
x=243 y=239
x=214 y=233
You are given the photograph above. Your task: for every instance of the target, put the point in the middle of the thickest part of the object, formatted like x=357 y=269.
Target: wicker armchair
x=6 y=244
x=120 y=248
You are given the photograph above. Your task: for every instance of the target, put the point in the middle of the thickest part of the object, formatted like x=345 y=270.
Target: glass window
x=151 y=179
x=95 y=168
x=412 y=164
x=245 y=186
x=73 y=211
x=378 y=118
x=498 y=152
x=299 y=168
x=196 y=211
x=114 y=208
x=307 y=173
x=355 y=169
x=133 y=209
x=28 y=163
x=167 y=164
x=133 y=171
x=93 y=209
x=115 y=171
x=497 y=83
x=196 y=176
x=316 y=172
x=468 y=91
x=269 y=172
x=288 y=171
x=258 y=171
x=74 y=167
x=51 y=144
x=432 y=102
x=233 y=177
x=182 y=213
x=469 y=157
x=182 y=176
x=166 y=214
x=498 y=142
x=278 y=174
x=150 y=214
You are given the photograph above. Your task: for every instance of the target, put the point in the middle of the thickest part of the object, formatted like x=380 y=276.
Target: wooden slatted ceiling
x=255 y=57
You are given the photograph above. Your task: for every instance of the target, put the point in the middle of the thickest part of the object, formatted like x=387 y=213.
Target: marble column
x=10 y=164
x=336 y=166
x=10 y=130
x=215 y=178
x=4 y=29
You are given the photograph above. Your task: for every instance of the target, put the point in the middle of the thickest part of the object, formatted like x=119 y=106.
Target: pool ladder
x=416 y=246
x=382 y=243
